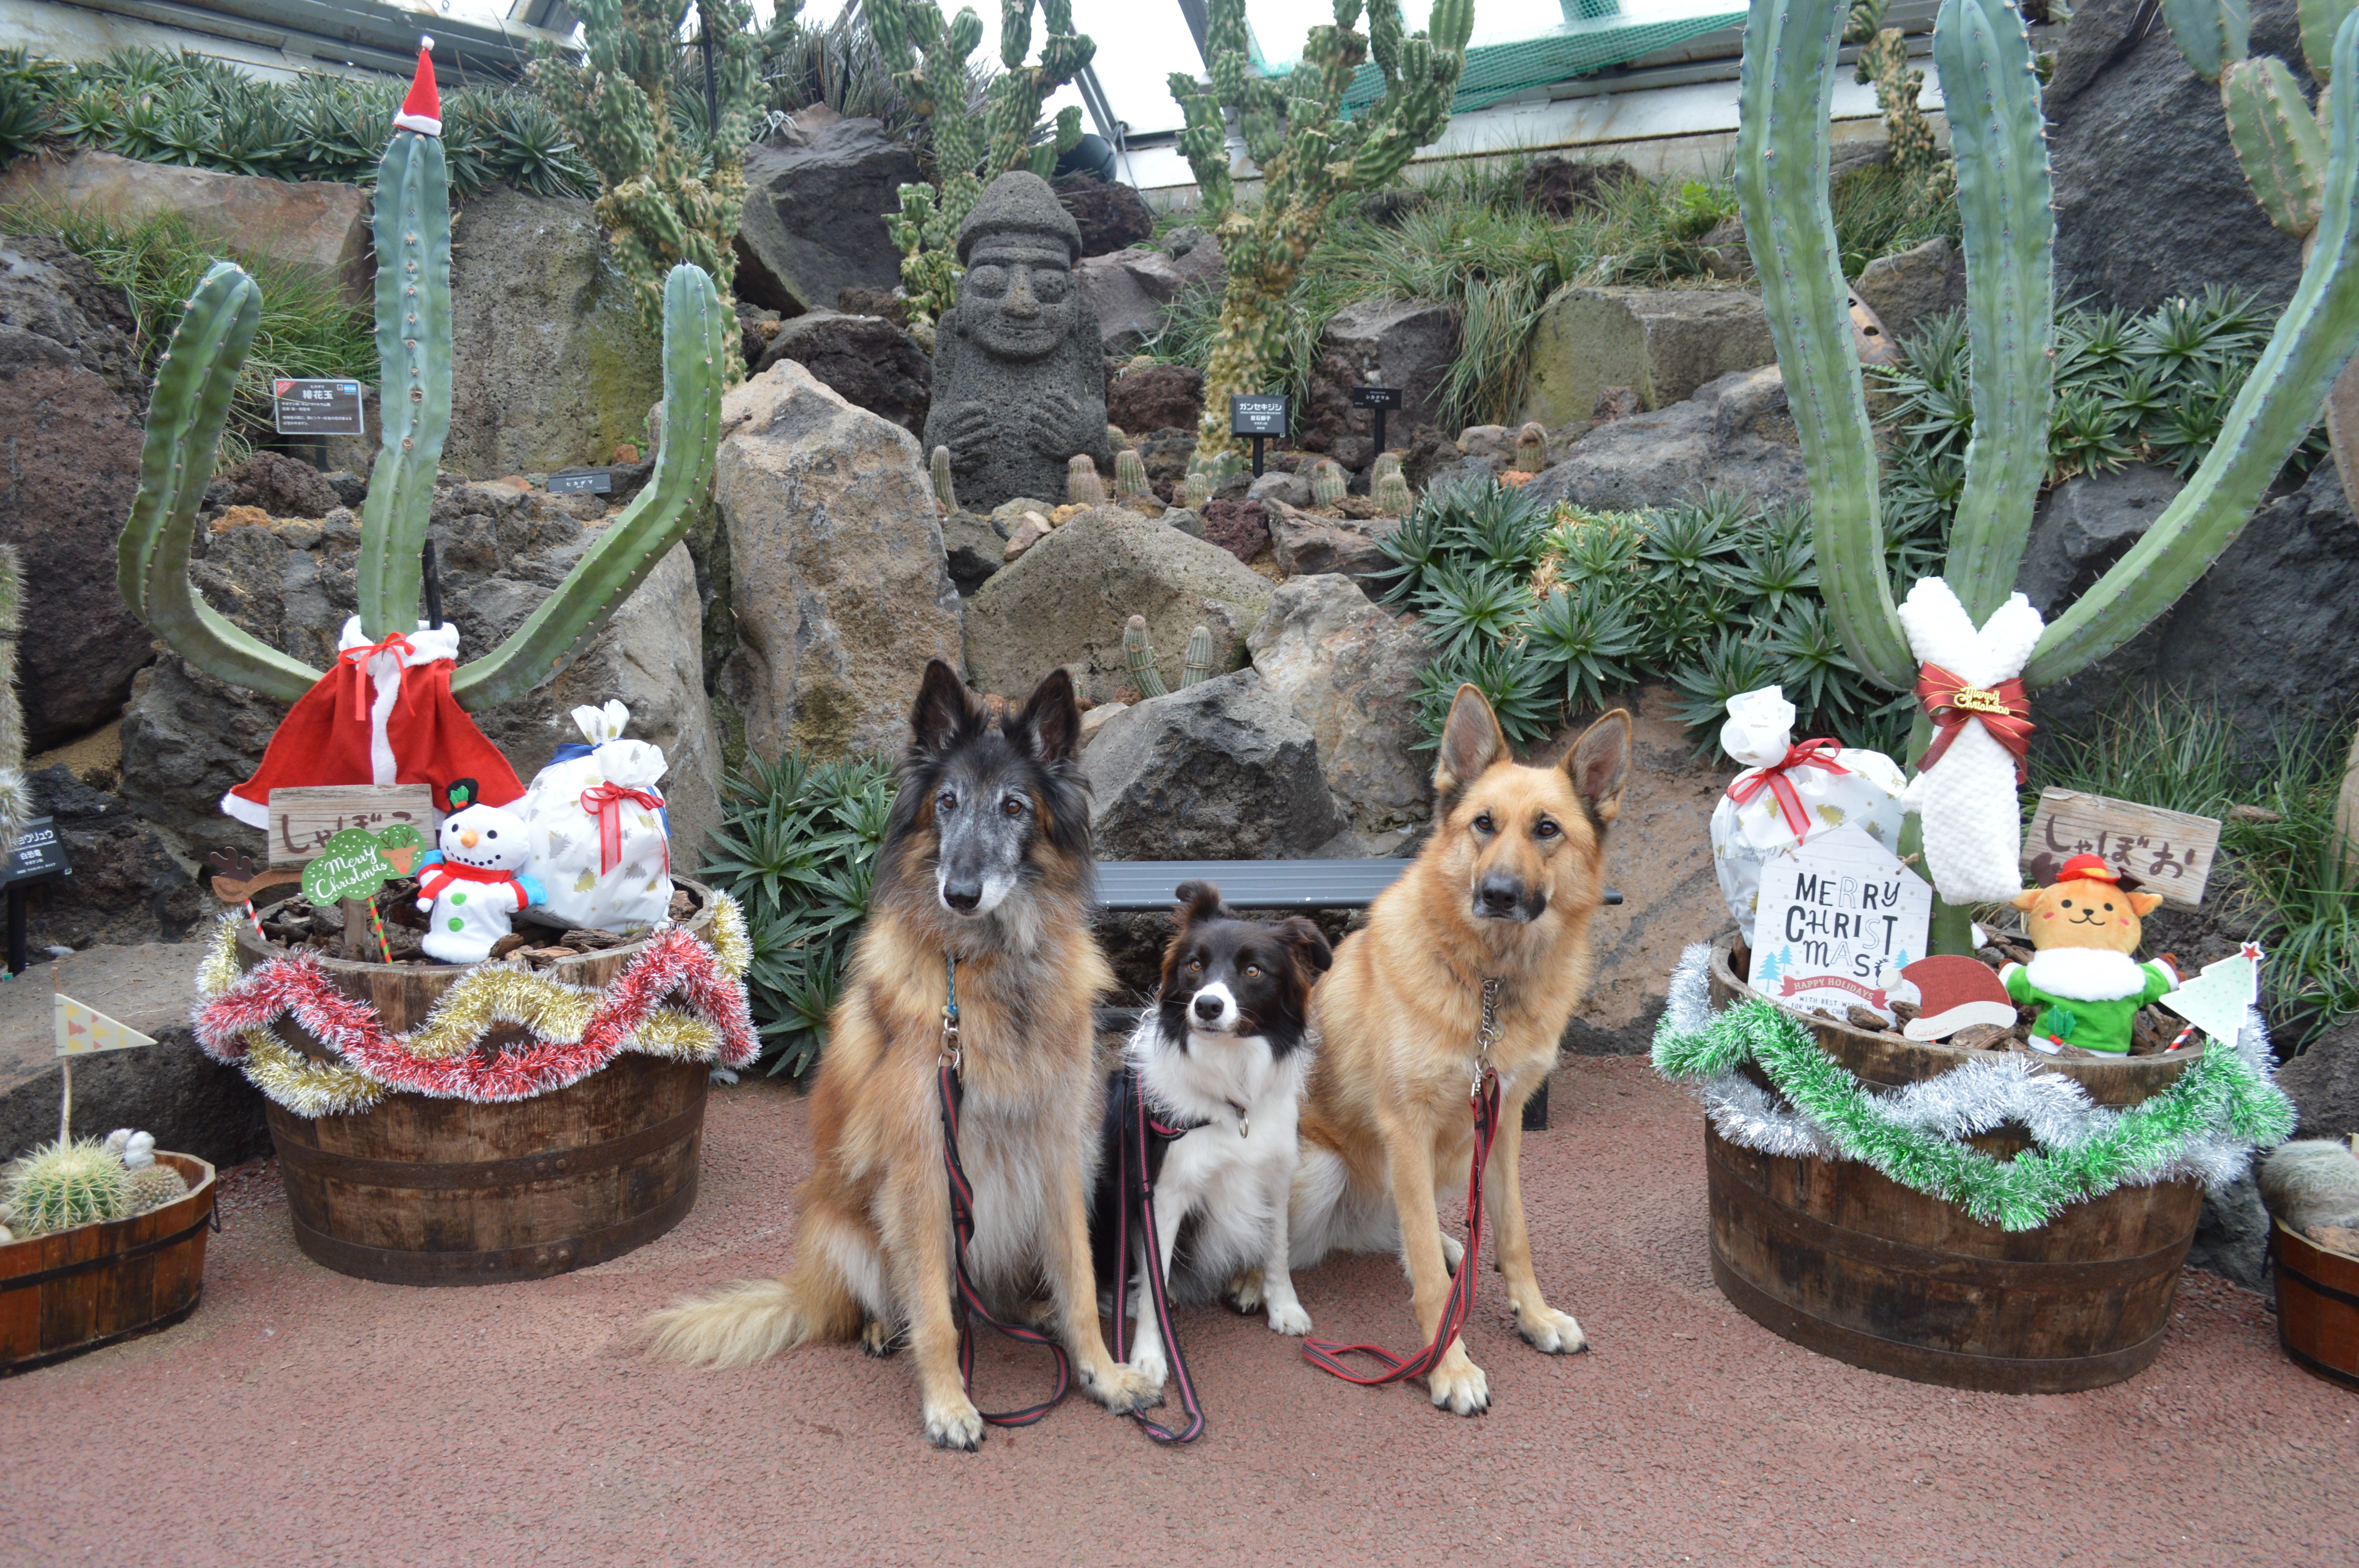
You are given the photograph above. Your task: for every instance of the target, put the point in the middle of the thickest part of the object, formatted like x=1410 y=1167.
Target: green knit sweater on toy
x=2087 y=996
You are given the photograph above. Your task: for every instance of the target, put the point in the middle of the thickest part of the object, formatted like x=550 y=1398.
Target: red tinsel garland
x=295 y=984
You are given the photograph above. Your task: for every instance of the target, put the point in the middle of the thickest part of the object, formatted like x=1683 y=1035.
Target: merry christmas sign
x=1835 y=912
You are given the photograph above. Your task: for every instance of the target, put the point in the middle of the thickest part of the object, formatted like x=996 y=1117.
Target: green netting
x=1576 y=47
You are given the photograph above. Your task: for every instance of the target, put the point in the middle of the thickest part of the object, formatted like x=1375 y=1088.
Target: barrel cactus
x=153 y=1186
x=2004 y=196
x=412 y=227
x=72 y=1181
x=1130 y=475
x=1531 y=449
x=1140 y=653
x=1327 y=483
x=1083 y=485
x=1196 y=490
x=1390 y=492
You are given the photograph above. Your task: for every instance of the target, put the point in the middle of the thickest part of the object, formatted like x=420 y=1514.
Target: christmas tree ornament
x=2084 y=927
x=1969 y=680
x=2220 y=1000
x=1788 y=791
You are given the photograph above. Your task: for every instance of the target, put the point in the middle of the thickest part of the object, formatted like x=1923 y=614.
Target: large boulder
x=1406 y=343
x=816 y=196
x=318 y=226
x=1110 y=217
x=1349 y=671
x=2130 y=121
x=126 y=885
x=2323 y=1082
x=1154 y=397
x=1307 y=544
x=840 y=583
x=187 y=738
x=1133 y=289
x=1065 y=600
x=1908 y=287
x=551 y=365
x=2267 y=633
x=1735 y=435
x=1222 y=771
x=872 y=363
x=1663 y=342
x=71 y=399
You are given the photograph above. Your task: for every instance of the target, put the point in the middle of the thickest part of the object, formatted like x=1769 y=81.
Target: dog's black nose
x=1499 y=895
x=962 y=896
x=1208 y=1008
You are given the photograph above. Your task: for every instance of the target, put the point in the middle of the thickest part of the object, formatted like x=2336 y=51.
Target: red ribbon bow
x=605 y=802
x=2005 y=711
x=1815 y=754
x=354 y=663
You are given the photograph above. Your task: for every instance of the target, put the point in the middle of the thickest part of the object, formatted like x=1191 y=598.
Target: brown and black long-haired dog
x=1505 y=891
x=987 y=859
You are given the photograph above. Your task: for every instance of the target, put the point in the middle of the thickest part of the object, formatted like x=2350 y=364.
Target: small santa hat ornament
x=1954 y=991
x=422 y=110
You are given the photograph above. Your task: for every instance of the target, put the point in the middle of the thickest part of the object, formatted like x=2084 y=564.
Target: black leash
x=1140 y=1133
x=963 y=1231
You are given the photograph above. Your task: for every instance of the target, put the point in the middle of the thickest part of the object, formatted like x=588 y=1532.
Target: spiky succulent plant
x=1327 y=483
x=153 y=1186
x=59 y=1185
x=944 y=491
x=1083 y=485
x=1130 y=475
x=1140 y=653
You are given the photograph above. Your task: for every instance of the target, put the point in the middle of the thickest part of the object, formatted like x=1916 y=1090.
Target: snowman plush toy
x=474 y=881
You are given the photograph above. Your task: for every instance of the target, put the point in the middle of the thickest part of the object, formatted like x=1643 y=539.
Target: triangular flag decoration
x=82 y=1031
x=422 y=110
x=2217 y=1000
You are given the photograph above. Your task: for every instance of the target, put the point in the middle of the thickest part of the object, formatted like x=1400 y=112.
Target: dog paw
x=1123 y=1390
x=1147 y=1361
x=1550 y=1332
x=878 y=1338
x=1243 y=1291
x=1458 y=1386
x=1453 y=1249
x=954 y=1425
x=1288 y=1317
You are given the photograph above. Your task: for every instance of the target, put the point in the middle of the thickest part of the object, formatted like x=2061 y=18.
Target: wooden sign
x=1836 y=914
x=2170 y=852
x=303 y=820
x=355 y=863
x=83 y=1031
x=37 y=852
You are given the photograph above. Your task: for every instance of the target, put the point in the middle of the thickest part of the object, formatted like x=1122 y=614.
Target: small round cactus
x=943 y=492
x=1531 y=449
x=66 y=1183
x=1327 y=483
x=1083 y=485
x=1196 y=491
x=1386 y=463
x=1129 y=475
x=153 y=1186
x=1392 y=494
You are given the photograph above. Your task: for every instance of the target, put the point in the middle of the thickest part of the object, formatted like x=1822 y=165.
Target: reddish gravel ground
x=301 y=1417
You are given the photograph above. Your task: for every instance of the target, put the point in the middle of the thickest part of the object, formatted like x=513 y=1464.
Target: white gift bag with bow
x=600 y=847
x=1787 y=792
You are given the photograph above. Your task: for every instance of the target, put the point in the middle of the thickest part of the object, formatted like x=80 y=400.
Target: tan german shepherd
x=987 y=856
x=1504 y=890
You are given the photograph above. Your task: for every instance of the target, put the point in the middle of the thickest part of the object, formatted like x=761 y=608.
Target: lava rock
x=1349 y=671
x=1735 y=436
x=1110 y=217
x=2232 y=1237
x=1409 y=345
x=1221 y=770
x=1240 y=527
x=71 y=400
x=884 y=302
x=1158 y=398
x=873 y=363
x=2323 y=1083
x=282 y=486
x=126 y=887
x=1307 y=545
x=816 y=197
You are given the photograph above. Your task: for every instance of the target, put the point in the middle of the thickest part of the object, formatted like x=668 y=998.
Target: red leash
x=1137 y=1198
x=1325 y=1354
x=962 y=1232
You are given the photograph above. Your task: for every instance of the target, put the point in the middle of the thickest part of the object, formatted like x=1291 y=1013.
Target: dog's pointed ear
x=1050 y=722
x=1198 y=901
x=1471 y=742
x=1599 y=762
x=1308 y=946
x=945 y=711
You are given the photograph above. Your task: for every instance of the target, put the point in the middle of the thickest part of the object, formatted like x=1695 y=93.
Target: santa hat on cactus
x=422 y=110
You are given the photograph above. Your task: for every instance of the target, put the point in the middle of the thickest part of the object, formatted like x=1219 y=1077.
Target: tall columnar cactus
x=1140 y=653
x=1884 y=61
x=1309 y=154
x=665 y=199
x=928 y=56
x=2004 y=196
x=193 y=380
x=1197 y=667
x=944 y=491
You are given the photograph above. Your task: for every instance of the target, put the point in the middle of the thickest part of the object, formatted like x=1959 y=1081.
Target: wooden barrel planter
x=74 y=1290
x=2318 y=1306
x=1851 y=1264
x=419 y=1190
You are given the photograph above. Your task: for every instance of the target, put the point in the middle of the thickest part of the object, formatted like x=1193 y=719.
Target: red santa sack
x=382 y=716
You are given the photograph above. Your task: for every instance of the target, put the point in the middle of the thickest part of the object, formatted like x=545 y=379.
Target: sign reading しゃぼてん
x=1837 y=913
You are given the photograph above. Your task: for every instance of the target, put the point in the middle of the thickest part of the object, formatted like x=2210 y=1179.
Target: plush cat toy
x=2085 y=925
x=475 y=882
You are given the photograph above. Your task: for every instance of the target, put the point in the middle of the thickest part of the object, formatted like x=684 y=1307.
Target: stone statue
x=1019 y=379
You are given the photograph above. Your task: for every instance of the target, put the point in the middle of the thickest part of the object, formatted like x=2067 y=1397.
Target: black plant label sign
x=1258 y=413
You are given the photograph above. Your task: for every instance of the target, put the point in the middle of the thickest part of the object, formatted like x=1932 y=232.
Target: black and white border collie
x=1222 y=1053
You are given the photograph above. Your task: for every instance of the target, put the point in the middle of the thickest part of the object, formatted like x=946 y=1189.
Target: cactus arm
x=2212 y=35
x=2005 y=200
x=412 y=227
x=2279 y=402
x=2321 y=20
x=1786 y=87
x=631 y=544
x=2277 y=140
x=193 y=382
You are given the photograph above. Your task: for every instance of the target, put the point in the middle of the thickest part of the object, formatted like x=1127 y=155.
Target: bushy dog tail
x=752 y=1320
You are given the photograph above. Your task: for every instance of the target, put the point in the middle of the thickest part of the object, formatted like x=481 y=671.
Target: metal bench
x=1265 y=884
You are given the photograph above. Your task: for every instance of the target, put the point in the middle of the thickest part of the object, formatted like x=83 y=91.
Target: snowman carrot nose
x=467 y=839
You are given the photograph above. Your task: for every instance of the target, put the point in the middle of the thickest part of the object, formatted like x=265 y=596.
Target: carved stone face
x=1016 y=299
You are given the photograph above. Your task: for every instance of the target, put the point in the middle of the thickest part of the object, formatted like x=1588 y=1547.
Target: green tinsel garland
x=2219 y=1096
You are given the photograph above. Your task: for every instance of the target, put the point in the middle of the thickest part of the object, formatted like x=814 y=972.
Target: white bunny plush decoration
x=1966 y=792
